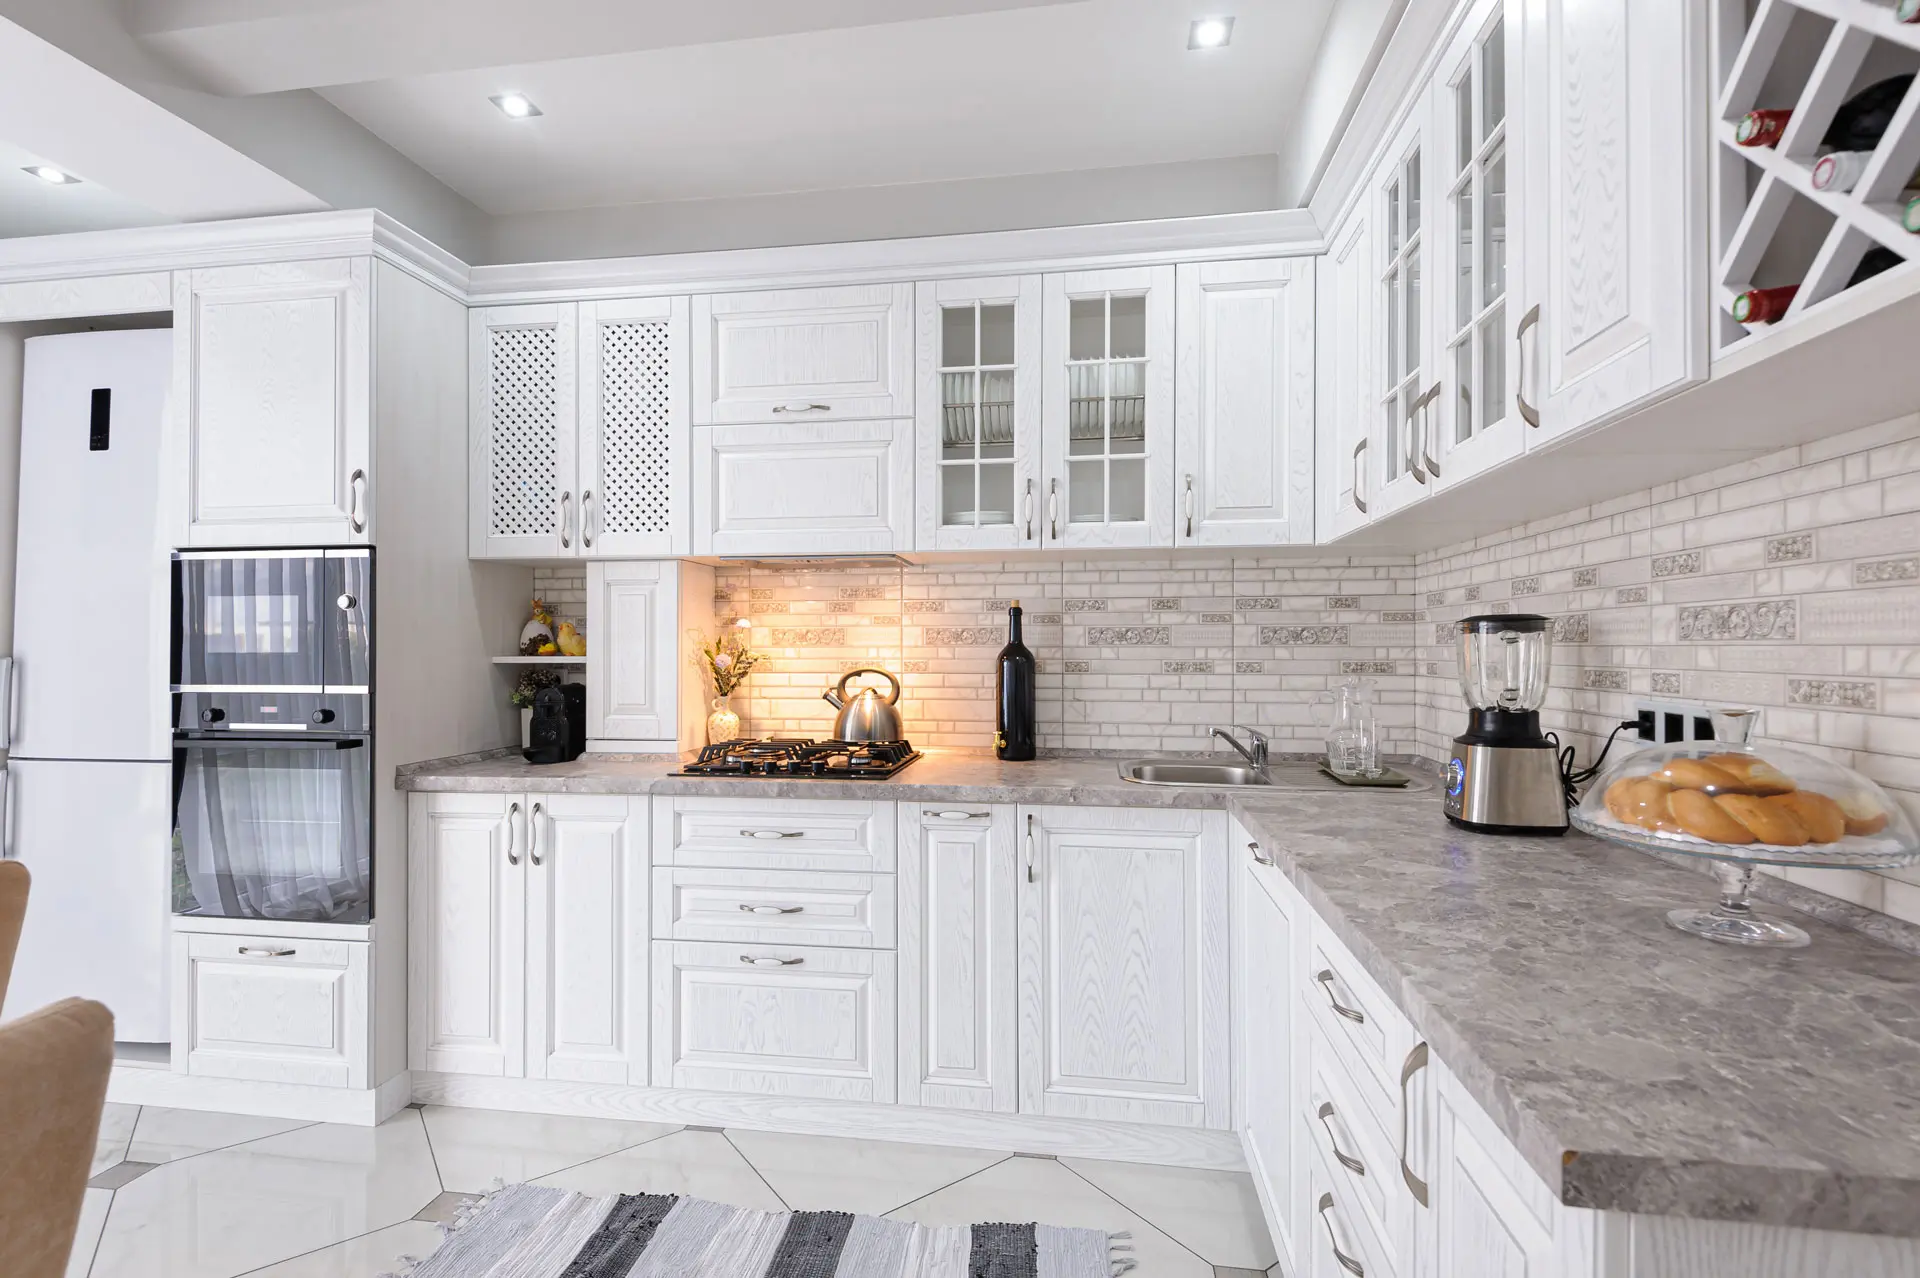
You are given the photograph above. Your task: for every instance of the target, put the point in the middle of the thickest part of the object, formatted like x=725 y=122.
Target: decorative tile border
x=1630 y=595
x=1837 y=693
x=1129 y=636
x=1761 y=619
x=924 y=605
x=1401 y=618
x=1216 y=618
x=1186 y=667
x=1342 y=603
x=1604 y=680
x=1525 y=586
x=812 y=637
x=1164 y=605
x=1259 y=603
x=962 y=637
x=1878 y=571
x=1786 y=550
x=1076 y=667
x=1574 y=627
x=1249 y=667
x=861 y=592
x=1368 y=668
x=1584 y=578
x=1472 y=594
x=1682 y=564
x=1435 y=598
x=1044 y=619
x=1664 y=683
x=1086 y=605
x=1303 y=636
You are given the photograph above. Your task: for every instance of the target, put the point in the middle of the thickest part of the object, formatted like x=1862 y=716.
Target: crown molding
x=1279 y=233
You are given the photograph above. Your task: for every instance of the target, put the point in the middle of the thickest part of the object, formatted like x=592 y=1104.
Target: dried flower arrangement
x=725 y=659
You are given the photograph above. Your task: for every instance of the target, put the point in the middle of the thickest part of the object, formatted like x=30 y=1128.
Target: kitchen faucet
x=1257 y=756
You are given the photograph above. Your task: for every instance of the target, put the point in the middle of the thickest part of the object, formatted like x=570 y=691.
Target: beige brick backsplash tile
x=1889 y=615
x=1837 y=505
x=1685 y=589
x=1733 y=687
x=1800 y=578
x=1862 y=439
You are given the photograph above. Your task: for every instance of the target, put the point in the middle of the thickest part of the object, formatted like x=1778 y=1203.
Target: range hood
x=804 y=563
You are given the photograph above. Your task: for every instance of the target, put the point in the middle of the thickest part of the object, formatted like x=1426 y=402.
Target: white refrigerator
x=89 y=771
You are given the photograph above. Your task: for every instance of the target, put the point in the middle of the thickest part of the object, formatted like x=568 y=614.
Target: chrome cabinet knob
x=347 y=603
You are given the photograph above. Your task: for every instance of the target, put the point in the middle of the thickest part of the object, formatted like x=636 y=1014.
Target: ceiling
x=649 y=101
x=30 y=206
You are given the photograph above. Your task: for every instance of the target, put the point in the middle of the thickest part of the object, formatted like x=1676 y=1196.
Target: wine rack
x=1772 y=227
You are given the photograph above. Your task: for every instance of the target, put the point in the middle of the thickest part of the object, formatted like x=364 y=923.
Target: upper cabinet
x=524 y=498
x=1107 y=438
x=1476 y=422
x=810 y=354
x=1405 y=381
x=1614 y=209
x=579 y=430
x=1345 y=404
x=274 y=379
x=1244 y=403
x=978 y=453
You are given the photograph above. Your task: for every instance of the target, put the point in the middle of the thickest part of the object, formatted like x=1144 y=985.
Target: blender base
x=1481 y=827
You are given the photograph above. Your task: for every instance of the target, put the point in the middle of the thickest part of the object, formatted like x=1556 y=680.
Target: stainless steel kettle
x=865 y=716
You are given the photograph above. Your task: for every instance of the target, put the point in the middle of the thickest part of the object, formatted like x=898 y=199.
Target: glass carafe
x=1353 y=734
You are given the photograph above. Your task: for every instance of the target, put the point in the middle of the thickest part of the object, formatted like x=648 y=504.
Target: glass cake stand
x=1742 y=807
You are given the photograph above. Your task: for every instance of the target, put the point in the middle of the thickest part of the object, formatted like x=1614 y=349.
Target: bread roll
x=1700 y=815
x=1824 y=820
x=1769 y=822
x=1755 y=774
x=1864 y=815
x=1647 y=804
x=1619 y=798
x=1697 y=774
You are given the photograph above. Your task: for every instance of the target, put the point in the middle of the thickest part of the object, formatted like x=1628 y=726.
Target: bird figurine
x=572 y=642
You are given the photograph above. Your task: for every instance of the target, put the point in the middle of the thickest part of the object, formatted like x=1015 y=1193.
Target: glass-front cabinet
x=1107 y=455
x=979 y=414
x=1475 y=424
x=1406 y=386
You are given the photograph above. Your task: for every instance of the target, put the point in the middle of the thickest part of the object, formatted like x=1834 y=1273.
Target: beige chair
x=54 y=1065
x=13 y=909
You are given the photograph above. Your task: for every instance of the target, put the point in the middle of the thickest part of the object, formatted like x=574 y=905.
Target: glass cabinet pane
x=1107 y=408
x=1129 y=328
x=1463 y=379
x=957 y=328
x=1413 y=195
x=1493 y=268
x=996 y=334
x=1466 y=142
x=1493 y=367
x=1087 y=328
x=1465 y=304
x=977 y=374
x=1493 y=80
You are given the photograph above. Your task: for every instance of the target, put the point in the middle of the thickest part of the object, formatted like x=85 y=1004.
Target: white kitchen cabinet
x=273 y=389
x=1406 y=383
x=1123 y=965
x=1345 y=351
x=586 y=929
x=1244 y=403
x=1268 y=931
x=851 y=835
x=958 y=951
x=634 y=428
x=271 y=1009
x=1616 y=241
x=1476 y=423
x=527 y=948
x=804 y=488
x=978 y=353
x=524 y=499
x=783 y=1020
x=1491 y=1213
x=1107 y=416
x=642 y=692
x=807 y=354
x=774 y=907
x=466 y=959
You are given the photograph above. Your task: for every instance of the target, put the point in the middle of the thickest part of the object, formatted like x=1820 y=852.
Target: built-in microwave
x=292 y=620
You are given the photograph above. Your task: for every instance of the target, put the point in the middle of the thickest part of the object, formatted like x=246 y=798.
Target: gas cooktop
x=801 y=760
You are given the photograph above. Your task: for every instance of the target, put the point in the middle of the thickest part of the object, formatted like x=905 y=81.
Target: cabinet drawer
x=783 y=907
x=270 y=1009
x=805 y=354
x=1358 y=1021
x=1358 y=1152
x=1338 y=1234
x=781 y=1020
x=774 y=834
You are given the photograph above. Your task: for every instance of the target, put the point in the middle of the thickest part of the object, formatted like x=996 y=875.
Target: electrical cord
x=1572 y=778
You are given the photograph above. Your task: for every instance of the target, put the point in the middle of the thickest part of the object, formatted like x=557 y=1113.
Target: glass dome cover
x=1757 y=805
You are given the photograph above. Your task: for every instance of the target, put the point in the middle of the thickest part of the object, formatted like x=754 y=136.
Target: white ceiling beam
x=242 y=47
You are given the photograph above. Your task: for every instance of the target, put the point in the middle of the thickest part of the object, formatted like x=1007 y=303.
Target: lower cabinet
x=1268 y=935
x=270 y=1009
x=1123 y=986
x=1490 y=1212
x=528 y=922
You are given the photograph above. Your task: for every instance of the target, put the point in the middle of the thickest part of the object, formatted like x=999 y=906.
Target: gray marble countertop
x=1635 y=1068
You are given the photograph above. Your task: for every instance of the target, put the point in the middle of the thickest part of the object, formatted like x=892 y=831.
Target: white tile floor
x=194 y=1195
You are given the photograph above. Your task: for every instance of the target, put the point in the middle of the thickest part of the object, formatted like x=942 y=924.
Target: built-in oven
x=273 y=735
x=273 y=619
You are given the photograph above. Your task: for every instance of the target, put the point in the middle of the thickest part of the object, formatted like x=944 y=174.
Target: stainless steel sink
x=1188 y=772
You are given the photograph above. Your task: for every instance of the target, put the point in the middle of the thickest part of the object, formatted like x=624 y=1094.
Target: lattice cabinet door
x=634 y=424
x=525 y=500
x=1616 y=232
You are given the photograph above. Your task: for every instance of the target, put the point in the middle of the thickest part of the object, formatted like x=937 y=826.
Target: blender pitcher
x=1345 y=714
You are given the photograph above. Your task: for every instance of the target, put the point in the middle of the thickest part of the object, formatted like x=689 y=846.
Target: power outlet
x=1664 y=721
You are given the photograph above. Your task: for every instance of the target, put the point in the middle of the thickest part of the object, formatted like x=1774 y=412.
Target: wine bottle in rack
x=1763 y=305
x=1763 y=127
x=1014 y=695
x=1879 y=258
x=1907 y=10
x=1858 y=125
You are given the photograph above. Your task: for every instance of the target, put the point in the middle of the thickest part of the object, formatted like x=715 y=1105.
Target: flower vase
x=723 y=724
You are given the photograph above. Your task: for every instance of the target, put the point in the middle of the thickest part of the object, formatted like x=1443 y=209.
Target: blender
x=1504 y=776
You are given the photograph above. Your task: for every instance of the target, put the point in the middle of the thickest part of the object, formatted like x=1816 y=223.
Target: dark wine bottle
x=1013 y=695
x=1878 y=258
x=1863 y=118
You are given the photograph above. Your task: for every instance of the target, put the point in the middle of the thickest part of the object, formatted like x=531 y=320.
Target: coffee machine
x=1504 y=776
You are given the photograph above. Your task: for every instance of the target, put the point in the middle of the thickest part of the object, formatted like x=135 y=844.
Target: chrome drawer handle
x=1359 y=502
x=802 y=408
x=1347 y=1262
x=1528 y=413
x=773 y=834
x=533 y=836
x=263 y=951
x=1416 y=1061
x=751 y=961
x=1325 y=978
x=1258 y=855
x=355 y=519
x=956 y=815
x=1346 y=1160
x=772 y=909
x=513 y=819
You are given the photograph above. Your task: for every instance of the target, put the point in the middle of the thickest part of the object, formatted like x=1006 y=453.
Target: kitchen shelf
x=555 y=660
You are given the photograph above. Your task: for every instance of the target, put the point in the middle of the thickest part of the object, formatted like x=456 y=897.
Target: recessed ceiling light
x=515 y=106
x=1209 y=33
x=47 y=173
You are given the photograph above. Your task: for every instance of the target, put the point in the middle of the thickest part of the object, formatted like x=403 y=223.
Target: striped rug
x=527 y=1231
